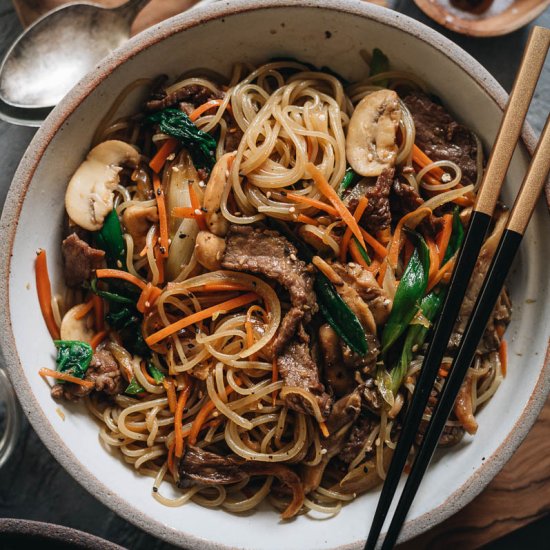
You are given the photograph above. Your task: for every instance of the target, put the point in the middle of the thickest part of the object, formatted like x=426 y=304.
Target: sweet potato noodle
x=252 y=266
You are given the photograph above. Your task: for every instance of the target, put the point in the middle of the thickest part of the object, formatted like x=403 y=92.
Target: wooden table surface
x=34 y=486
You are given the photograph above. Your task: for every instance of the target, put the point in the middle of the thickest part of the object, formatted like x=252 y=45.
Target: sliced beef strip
x=201 y=467
x=103 y=371
x=270 y=254
x=195 y=95
x=441 y=137
x=344 y=412
x=357 y=438
x=404 y=199
x=79 y=260
x=298 y=369
x=198 y=466
x=377 y=215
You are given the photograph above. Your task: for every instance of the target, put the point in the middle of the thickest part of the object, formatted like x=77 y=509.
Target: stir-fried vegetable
x=409 y=293
x=73 y=357
x=123 y=315
x=176 y=123
x=337 y=313
x=109 y=238
x=134 y=388
x=379 y=64
x=429 y=308
x=349 y=180
x=155 y=373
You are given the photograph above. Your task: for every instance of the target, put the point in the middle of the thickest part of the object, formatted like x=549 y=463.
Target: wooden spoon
x=500 y=17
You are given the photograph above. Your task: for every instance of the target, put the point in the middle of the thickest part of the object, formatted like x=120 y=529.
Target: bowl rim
x=53 y=532
x=33 y=155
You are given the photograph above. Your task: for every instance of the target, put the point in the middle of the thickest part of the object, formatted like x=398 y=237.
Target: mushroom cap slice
x=89 y=195
x=76 y=329
x=371 y=144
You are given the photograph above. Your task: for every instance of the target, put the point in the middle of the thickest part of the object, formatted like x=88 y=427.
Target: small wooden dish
x=501 y=17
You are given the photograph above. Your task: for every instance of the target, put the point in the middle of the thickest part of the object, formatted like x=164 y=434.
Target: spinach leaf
x=73 y=357
x=109 y=238
x=134 y=388
x=123 y=316
x=176 y=123
x=409 y=293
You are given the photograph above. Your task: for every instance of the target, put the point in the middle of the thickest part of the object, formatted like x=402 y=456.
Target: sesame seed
x=292 y=209
x=119 y=263
x=202 y=184
x=293 y=257
x=175 y=169
x=198 y=211
x=446 y=177
x=268 y=194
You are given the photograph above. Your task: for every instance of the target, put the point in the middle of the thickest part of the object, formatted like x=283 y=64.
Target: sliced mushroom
x=89 y=195
x=371 y=144
x=77 y=329
x=138 y=220
x=215 y=220
x=209 y=250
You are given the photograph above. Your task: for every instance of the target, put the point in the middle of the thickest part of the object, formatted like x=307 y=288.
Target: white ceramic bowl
x=329 y=33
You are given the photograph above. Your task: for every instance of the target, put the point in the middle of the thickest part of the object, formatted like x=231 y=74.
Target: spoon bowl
x=54 y=53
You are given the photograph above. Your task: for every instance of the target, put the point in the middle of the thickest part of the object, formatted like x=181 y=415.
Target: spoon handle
x=130 y=9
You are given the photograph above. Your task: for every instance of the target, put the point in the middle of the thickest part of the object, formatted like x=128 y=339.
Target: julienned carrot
x=163 y=218
x=99 y=313
x=359 y=211
x=384 y=235
x=84 y=309
x=503 y=356
x=168 y=384
x=98 y=338
x=67 y=377
x=335 y=200
x=302 y=218
x=44 y=291
x=159 y=260
x=118 y=274
x=184 y=212
x=148 y=297
x=201 y=316
x=434 y=256
x=444 y=236
x=166 y=149
x=447 y=268
x=324 y=429
x=203 y=414
x=216 y=287
x=146 y=375
x=313 y=202
x=421 y=159
x=203 y=108
x=178 y=418
x=196 y=205
x=379 y=248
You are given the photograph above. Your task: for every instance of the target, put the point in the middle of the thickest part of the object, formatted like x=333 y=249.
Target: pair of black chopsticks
x=533 y=183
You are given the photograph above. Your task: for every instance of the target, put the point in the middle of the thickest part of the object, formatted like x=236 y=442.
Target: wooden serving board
x=519 y=495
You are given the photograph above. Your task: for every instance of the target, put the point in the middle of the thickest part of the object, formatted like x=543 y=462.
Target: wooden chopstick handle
x=514 y=115
x=532 y=185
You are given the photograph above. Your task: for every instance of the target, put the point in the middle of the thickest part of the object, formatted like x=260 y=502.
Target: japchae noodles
x=252 y=267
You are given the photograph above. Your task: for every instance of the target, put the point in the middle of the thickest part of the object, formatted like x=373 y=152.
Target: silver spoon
x=55 y=52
